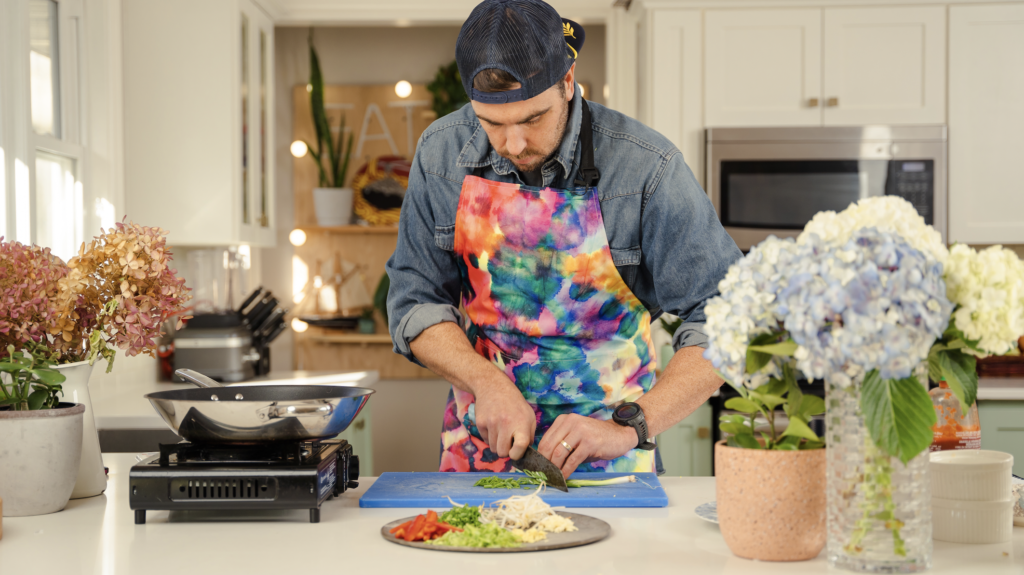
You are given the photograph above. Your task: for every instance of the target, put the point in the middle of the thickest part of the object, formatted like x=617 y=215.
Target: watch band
x=638 y=423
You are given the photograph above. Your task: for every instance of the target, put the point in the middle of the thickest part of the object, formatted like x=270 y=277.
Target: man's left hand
x=590 y=440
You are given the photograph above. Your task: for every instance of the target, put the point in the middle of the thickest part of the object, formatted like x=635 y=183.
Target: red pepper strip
x=400 y=534
x=417 y=526
x=402 y=526
x=448 y=527
x=431 y=516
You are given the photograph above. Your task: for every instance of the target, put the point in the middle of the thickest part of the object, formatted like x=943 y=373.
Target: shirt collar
x=478 y=152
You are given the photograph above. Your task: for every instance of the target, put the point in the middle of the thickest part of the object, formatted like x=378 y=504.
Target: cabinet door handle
x=812 y=102
x=833 y=102
x=703 y=432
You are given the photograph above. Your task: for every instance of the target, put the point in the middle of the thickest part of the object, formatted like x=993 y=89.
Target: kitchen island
x=98 y=536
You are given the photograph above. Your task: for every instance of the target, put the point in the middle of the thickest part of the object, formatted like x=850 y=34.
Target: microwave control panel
x=914 y=181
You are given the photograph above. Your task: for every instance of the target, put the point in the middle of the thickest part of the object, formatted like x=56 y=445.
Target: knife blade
x=533 y=461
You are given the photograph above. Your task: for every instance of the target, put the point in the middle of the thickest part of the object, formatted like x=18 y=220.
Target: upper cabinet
x=986 y=120
x=884 y=66
x=198 y=91
x=825 y=66
x=763 y=67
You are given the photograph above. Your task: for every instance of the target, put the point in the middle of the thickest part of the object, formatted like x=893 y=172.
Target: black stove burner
x=265 y=476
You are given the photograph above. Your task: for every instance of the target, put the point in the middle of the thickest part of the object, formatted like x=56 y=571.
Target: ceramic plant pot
x=771 y=504
x=92 y=480
x=39 y=458
x=333 y=206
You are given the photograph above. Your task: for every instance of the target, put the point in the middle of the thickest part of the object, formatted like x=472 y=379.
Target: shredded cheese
x=531 y=535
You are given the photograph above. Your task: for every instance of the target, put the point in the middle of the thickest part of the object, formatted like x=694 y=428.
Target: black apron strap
x=588 y=174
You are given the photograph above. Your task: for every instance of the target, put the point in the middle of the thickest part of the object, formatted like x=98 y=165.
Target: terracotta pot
x=771 y=504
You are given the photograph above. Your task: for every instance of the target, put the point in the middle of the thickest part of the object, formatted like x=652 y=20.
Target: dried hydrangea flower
x=29 y=277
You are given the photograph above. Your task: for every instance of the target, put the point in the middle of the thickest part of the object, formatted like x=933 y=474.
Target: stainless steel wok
x=257 y=413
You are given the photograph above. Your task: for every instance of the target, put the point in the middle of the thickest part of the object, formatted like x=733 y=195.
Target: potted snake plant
x=332 y=200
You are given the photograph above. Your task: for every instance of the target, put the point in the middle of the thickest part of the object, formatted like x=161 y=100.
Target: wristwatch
x=632 y=415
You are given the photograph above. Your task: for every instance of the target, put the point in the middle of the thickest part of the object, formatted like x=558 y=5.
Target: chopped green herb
x=537 y=477
x=486 y=535
x=462 y=516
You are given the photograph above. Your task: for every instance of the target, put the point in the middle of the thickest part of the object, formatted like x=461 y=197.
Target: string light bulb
x=403 y=89
x=297 y=237
x=299 y=148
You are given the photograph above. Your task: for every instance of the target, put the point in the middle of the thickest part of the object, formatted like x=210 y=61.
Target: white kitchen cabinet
x=986 y=120
x=825 y=66
x=884 y=65
x=763 y=67
x=676 y=98
x=198 y=93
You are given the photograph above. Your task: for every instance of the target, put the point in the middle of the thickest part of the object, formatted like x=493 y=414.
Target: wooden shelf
x=351 y=338
x=351 y=229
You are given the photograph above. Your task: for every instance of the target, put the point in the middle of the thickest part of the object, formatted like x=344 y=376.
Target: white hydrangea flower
x=988 y=287
x=887 y=214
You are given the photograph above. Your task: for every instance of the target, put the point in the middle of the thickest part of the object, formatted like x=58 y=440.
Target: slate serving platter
x=432 y=490
x=589 y=530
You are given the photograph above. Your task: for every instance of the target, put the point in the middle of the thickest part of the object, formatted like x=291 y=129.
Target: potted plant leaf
x=332 y=201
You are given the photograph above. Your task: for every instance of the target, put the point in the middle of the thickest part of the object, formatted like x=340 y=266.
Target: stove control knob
x=353 y=471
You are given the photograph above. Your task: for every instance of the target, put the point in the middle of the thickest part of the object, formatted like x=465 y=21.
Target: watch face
x=627 y=411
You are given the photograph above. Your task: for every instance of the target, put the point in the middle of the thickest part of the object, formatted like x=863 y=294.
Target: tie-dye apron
x=546 y=305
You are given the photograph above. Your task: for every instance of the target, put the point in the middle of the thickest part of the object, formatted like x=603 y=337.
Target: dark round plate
x=589 y=530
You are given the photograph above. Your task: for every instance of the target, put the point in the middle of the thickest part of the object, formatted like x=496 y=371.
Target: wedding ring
x=567 y=446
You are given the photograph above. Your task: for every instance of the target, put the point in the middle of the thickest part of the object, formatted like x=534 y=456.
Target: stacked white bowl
x=971 y=496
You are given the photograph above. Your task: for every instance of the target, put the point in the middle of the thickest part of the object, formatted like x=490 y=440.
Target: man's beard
x=542 y=155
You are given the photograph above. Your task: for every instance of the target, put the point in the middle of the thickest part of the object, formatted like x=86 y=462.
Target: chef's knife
x=533 y=461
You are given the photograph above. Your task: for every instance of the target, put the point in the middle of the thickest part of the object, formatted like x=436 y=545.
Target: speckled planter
x=39 y=458
x=771 y=504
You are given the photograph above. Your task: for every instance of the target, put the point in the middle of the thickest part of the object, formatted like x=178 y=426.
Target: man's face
x=528 y=132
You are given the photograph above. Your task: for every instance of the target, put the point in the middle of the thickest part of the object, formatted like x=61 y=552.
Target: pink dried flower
x=29 y=277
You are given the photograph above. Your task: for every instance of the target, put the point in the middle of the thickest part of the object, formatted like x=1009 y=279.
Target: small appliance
x=771 y=181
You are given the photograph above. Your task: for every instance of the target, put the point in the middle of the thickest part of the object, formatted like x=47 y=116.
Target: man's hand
x=504 y=418
x=590 y=439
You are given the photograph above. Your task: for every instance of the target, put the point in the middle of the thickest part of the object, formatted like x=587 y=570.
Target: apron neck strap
x=588 y=174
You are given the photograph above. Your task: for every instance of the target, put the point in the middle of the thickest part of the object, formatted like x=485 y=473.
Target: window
x=42 y=156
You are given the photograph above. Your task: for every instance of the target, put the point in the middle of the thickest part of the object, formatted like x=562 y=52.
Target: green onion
x=538 y=478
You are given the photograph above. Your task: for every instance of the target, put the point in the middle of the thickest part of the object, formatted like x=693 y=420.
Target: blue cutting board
x=434 y=489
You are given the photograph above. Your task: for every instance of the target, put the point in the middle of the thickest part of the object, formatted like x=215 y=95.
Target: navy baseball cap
x=525 y=38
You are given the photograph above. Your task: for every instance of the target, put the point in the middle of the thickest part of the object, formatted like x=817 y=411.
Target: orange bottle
x=955 y=429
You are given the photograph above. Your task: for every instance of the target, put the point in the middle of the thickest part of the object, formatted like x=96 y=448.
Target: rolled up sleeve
x=424 y=277
x=685 y=249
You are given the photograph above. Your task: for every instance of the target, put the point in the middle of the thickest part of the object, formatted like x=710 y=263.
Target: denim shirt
x=665 y=237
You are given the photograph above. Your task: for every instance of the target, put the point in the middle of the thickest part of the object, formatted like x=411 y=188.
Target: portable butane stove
x=230 y=477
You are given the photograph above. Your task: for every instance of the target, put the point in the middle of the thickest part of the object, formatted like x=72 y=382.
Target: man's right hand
x=505 y=420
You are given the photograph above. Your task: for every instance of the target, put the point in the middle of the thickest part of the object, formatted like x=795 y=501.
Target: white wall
x=362 y=55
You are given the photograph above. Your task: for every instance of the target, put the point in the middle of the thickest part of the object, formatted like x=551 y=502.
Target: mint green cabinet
x=686 y=447
x=358 y=435
x=1002 y=429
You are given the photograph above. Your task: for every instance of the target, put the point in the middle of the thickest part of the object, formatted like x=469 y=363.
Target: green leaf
x=787 y=348
x=769 y=401
x=747 y=441
x=742 y=405
x=735 y=429
x=798 y=428
x=899 y=415
x=756 y=359
x=789 y=443
x=812 y=445
x=49 y=376
x=811 y=405
x=37 y=398
x=767 y=441
x=774 y=386
x=733 y=418
x=960 y=372
x=12 y=367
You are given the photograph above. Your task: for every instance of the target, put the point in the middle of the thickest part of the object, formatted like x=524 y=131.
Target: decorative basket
x=378 y=169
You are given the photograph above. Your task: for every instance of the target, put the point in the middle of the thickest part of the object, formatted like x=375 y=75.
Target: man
x=566 y=227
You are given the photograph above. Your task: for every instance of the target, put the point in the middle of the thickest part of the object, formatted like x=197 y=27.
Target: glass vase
x=879 y=517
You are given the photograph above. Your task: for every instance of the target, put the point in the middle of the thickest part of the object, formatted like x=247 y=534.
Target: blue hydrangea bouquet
x=872 y=302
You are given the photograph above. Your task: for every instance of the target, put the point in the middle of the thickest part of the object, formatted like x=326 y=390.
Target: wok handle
x=196 y=378
x=279 y=411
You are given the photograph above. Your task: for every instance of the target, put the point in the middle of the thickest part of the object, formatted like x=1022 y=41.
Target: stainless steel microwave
x=766 y=181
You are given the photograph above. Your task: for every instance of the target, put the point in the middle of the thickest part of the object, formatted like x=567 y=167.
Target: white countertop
x=122 y=405
x=99 y=536
x=1004 y=388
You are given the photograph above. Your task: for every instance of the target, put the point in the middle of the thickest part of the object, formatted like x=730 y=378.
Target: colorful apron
x=546 y=305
